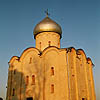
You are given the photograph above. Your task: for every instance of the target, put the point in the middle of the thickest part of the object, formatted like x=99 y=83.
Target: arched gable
x=71 y=49
x=48 y=49
x=25 y=52
x=81 y=52
x=54 y=60
x=13 y=59
x=89 y=61
x=30 y=61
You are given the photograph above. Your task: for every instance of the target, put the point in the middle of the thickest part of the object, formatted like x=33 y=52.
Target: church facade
x=48 y=72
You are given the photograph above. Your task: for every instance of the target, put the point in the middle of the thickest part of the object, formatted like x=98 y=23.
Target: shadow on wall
x=15 y=89
x=21 y=87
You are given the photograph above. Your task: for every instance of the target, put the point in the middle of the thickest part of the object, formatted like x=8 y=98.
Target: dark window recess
x=13 y=92
x=30 y=98
x=33 y=79
x=30 y=61
x=52 y=70
x=40 y=45
x=73 y=75
x=52 y=88
x=15 y=71
x=84 y=99
x=27 y=80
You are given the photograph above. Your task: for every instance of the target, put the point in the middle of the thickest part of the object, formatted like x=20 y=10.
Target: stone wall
x=54 y=74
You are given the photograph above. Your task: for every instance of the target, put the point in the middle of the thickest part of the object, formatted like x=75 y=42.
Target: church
x=48 y=72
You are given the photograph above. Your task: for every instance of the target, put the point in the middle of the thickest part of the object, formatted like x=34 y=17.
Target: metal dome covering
x=47 y=25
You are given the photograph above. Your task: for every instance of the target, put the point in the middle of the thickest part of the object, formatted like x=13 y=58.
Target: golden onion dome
x=47 y=25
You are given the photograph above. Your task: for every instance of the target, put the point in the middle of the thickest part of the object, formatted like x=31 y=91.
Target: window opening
x=84 y=99
x=73 y=75
x=27 y=80
x=52 y=70
x=30 y=98
x=40 y=45
x=52 y=88
x=33 y=79
x=13 y=92
x=15 y=71
x=30 y=60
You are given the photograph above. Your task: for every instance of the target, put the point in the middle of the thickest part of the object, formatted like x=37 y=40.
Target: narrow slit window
x=30 y=61
x=52 y=88
x=49 y=43
x=27 y=80
x=52 y=71
x=14 y=71
x=13 y=92
x=33 y=79
x=40 y=45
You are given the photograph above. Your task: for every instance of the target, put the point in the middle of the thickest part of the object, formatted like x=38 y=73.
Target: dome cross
x=47 y=14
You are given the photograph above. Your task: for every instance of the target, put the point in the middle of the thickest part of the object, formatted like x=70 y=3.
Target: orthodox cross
x=47 y=14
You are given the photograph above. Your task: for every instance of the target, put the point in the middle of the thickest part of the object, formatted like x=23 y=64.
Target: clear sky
x=79 y=19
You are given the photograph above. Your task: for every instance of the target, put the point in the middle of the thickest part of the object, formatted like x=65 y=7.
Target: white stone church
x=48 y=72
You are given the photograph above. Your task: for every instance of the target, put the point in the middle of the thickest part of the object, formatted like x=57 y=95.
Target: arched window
x=27 y=80
x=52 y=71
x=40 y=45
x=30 y=60
x=13 y=92
x=33 y=79
x=52 y=88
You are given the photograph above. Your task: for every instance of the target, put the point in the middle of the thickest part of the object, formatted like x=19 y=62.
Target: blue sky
x=79 y=19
